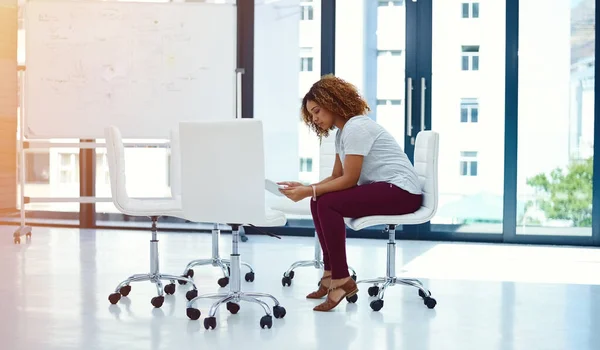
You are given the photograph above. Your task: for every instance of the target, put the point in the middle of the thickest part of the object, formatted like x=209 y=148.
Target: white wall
x=450 y=84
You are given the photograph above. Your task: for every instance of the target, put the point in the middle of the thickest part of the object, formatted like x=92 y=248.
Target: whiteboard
x=142 y=67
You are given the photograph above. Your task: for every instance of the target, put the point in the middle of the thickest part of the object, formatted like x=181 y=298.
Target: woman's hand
x=297 y=193
x=290 y=184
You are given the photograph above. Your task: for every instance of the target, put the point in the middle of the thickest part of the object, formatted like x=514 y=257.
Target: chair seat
x=153 y=207
x=420 y=216
x=288 y=206
x=272 y=218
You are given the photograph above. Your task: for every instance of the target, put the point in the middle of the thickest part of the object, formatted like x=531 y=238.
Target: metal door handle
x=409 y=88
x=423 y=88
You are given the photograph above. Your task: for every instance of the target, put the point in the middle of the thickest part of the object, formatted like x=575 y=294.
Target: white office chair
x=224 y=194
x=326 y=162
x=426 y=165
x=215 y=259
x=152 y=208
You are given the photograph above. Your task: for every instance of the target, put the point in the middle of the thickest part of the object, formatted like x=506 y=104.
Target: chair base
x=235 y=296
x=391 y=280
x=317 y=263
x=124 y=288
x=288 y=276
x=223 y=264
x=216 y=261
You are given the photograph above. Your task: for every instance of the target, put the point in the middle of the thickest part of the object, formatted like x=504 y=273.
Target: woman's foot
x=323 y=287
x=340 y=289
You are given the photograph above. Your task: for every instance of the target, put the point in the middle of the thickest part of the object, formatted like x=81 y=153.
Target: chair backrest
x=223 y=171
x=426 y=165
x=327 y=156
x=115 y=154
x=175 y=164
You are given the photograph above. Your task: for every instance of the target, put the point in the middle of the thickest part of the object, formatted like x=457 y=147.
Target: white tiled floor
x=54 y=296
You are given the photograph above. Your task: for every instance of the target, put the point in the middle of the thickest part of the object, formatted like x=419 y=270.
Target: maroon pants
x=329 y=211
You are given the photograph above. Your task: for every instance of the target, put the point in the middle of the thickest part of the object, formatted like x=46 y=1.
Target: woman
x=372 y=176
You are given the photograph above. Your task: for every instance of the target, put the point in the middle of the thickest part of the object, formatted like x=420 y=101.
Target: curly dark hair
x=335 y=95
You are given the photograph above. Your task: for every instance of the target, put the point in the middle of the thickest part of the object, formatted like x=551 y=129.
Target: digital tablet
x=273 y=187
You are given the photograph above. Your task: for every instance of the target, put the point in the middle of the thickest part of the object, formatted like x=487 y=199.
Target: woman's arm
x=338 y=171
x=340 y=179
x=349 y=177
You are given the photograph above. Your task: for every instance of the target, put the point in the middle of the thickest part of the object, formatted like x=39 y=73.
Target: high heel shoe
x=350 y=289
x=322 y=291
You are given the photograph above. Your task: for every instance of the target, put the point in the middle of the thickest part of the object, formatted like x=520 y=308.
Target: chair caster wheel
x=279 y=311
x=286 y=281
x=17 y=240
x=189 y=274
x=353 y=299
x=223 y=282
x=125 y=290
x=158 y=301
x=373 y=291
x=233 y=308
x=353 y=277
x=291 y=275
x=423 y=295
x=191 y=294
x=192 y=313
x=249 y=277
x=430 y=302
x=244 y=238
x=182 y=282
x=170 y=289
x=266 y=321
x=210 y=323
x=114 y=298
x=376 y=305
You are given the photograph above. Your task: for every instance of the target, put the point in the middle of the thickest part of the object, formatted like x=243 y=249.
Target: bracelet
x=314 y=187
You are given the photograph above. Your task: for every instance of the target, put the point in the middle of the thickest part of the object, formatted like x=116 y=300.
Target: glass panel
x=370 y=53
x=556 y=139
x=286 y=32
x=465 y=62
x=474 y=114
x=470 y=200
x=465 y=10
x=464 y=115
x=476 y=62
x=475 y=10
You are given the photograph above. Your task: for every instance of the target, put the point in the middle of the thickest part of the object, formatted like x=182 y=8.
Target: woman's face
x=320 y=116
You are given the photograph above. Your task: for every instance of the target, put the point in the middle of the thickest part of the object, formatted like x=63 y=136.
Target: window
x=102 y=172
x=37 y=168
x=168 y=169
x=389 y=102
x=470 y=10
x=389 y=52
x=470 y=57
x=469 y=110
x=468 y=163
x=69 y=168
x=306 y=64
x=306 y=13
x=306 y=165
x=383 y=3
